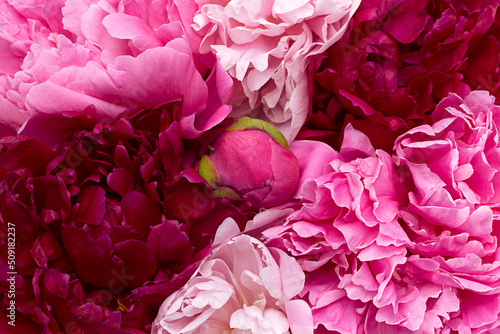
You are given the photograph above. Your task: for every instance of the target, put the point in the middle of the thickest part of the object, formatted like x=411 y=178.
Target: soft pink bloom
x=451 y=169
x=21 y=28
x=266 y=47
x=25 y=23
x=243 y=287
x=106 y=58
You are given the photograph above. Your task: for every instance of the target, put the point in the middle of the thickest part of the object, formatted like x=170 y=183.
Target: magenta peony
x=106 y=58
x=243 y=287
x=451 y=169
x=251 y=161
x=397 y=60
x=266 y=47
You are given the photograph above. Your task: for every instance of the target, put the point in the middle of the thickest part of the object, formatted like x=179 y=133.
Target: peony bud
x=251 y=161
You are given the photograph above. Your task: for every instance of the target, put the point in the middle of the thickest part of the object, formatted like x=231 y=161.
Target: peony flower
x=105 y=59
x=71 y=307
x=243 y=287
x=93 y=205
x=399 y=57
x=252 y=161
x=348 y=239
x=454 y=161
x=266 y=47
x=21 y=28
x=451 y=171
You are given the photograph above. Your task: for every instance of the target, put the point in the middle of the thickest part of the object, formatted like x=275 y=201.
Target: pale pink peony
x=451 y=169
x=266 y=47
x=243 y=287
x=106 y=58
x=21 y=28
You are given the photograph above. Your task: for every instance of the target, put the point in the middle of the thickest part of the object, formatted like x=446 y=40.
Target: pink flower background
x=238 y=167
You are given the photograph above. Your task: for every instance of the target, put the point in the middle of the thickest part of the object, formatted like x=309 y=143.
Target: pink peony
x=348 y=238
x=243 y=287
x=251 y=161
x=21 y=28
x=107 y=58
x=266 y=47
x=451 y=169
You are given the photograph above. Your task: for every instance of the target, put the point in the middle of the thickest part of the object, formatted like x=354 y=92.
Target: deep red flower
x=398 y=59
x=110 y=219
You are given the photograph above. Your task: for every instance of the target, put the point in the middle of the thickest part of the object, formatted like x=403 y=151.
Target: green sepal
x=247 y=123
x=207 y=170
x=224 y=192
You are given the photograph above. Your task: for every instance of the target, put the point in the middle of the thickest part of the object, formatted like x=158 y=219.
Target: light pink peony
x=266 y=47
x=451 y=169
x=243 y=287
x=106 y=58
x=21 y=28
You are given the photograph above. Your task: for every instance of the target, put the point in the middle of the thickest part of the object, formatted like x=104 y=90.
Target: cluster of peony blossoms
x=249 y=167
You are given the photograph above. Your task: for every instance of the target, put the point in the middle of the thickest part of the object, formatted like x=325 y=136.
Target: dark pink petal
x=29 y=153
x=91 y=205
x=120 y=180
x=46 y=248
x=169 y=243
x=139 y=264
x=189 y=200
x=52 y=195
x=171 y=149
x=140 y=212
x=410 y=22
x=48 y=129
x=127 y=264
x=86 y=255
